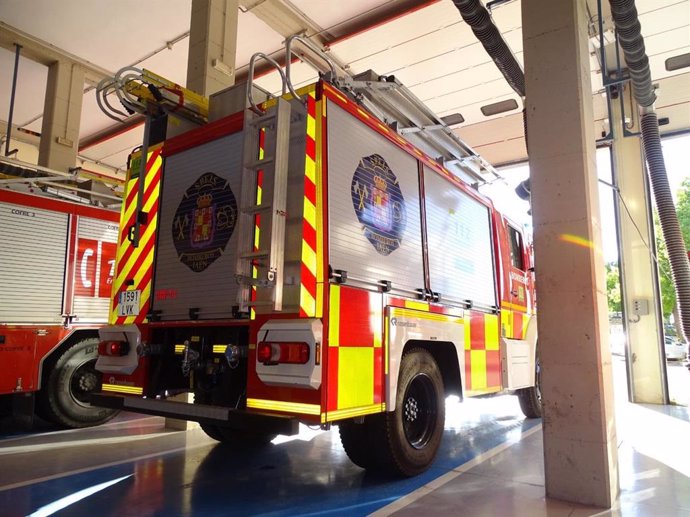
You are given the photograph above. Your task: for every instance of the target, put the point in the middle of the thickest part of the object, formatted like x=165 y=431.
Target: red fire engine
x=316 y=258
x=56 y=269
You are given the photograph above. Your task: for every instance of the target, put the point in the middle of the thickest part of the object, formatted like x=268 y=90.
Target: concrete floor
x=491 y=464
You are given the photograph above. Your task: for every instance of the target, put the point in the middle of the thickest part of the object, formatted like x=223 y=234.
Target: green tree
x=668 y=293
x=613 y=287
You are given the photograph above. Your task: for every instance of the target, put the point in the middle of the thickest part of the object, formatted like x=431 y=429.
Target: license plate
x=129 y=303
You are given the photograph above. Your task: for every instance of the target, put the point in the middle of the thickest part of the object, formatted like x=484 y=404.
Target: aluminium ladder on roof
x=395 y=105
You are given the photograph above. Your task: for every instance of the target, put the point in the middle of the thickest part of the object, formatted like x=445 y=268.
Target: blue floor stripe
x=295 y=478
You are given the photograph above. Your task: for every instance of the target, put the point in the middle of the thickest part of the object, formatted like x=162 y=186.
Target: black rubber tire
x=62 y=399
x=212 y=431
x=530 y=398
x=244 y=439
x=413 y=432
x=237 y=439
x=356 y=440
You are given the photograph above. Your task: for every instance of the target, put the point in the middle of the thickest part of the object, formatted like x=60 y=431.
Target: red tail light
x=113 y=348
x=275 y=353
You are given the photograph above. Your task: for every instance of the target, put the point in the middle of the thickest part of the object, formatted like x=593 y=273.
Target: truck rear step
x=222 y=416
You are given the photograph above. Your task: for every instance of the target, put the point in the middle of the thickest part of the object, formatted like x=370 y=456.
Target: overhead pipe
x=628 y=27
x=478 y=18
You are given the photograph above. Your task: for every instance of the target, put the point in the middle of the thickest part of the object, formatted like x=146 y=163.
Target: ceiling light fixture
x=453 y=119
x=678 y=62
x=499 y=107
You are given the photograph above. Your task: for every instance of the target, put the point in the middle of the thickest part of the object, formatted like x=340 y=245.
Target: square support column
x=580 y=451
x=212 y=45
x=61 y=116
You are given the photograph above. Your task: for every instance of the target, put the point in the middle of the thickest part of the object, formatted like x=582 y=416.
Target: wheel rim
x=83 y=382
x=419 y=411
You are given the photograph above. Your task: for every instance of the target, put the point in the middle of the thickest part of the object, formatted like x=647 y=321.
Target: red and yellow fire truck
x=56 y=269
x=305 y=259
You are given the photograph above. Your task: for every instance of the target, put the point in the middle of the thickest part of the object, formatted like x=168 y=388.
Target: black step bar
x=216 y=415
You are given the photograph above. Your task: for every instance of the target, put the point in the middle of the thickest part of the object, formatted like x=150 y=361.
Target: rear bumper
x=216 y=415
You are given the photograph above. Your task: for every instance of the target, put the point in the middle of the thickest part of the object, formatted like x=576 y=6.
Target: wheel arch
x=445 y=353
x=48 y=361
x=449 y=357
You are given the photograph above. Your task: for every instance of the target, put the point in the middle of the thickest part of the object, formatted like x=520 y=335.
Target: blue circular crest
x=379 y=204
x=204 y=222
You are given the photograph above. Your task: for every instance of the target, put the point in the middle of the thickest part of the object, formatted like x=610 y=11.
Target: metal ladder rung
x=254 y=254
x=259 y=303
x=260 y=163
x=262 y=120
x=255 y=209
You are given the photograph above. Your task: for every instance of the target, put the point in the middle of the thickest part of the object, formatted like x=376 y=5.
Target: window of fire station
x=516 y=256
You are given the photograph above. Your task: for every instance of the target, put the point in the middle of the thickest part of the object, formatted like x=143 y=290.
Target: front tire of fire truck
x=530 y=398
x=63 y=399
x=414 y=430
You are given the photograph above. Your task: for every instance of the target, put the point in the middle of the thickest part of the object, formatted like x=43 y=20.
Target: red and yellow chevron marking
x=308 y=276
x=257 y=217
x=355 y=379
x=136 y=264
x=482 y=353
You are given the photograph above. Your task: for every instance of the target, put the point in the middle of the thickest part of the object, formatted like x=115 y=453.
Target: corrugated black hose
x=629 y=34
x=670 y=227
x=478 y=18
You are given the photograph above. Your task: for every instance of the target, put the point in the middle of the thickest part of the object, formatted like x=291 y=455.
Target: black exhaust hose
x=629 y=33
x=478 y=18
x=670 y=227
x=630 y=37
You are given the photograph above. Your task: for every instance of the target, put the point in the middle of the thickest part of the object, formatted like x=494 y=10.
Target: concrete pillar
x=61 y=116
x=639 y=277
x=212 y=45
x=580 y=453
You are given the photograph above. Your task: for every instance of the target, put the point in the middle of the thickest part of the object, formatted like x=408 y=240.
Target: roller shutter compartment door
x=33 y=245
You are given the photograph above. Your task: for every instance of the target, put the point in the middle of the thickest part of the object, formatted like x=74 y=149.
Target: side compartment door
x=32 y=264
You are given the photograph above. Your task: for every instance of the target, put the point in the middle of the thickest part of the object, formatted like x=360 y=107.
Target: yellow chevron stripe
x=309 y=258
x=150 y=175
x=306 y=301
x=310 y=169
x=125 y=270
x=129 y=209
x=310 y=213
x=311 y=126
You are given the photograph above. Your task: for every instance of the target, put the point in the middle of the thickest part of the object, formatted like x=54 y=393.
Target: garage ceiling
x=425 y=44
